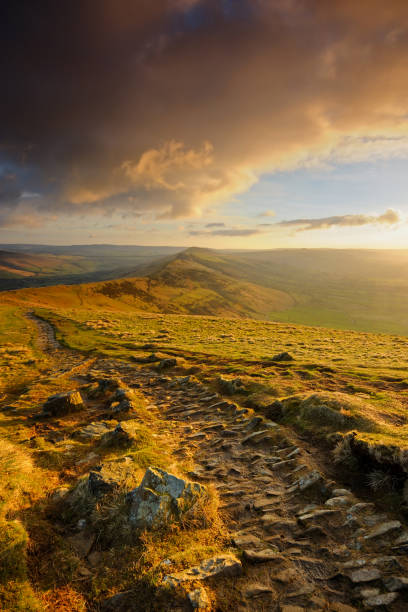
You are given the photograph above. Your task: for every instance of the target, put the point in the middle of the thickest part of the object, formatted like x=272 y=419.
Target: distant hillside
x=23 y=265
x=364 y=290
x=28 y=265
x=179 y=285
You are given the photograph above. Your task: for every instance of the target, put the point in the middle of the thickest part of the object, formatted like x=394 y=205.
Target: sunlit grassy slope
x=366 y=290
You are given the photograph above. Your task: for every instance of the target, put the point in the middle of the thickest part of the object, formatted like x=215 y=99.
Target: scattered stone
x=354 y=563
x=365 y=574
x=256 y=590
x=341 y=493
x=262 y=556
x=255 y=436
x=162 y=497
x=241 y=541
x=364 y=593
x=309 y=480
x=61 y=404
x=93 y=431
x=199 y=599
x=383 y=529
x=380 y=600
x=396 y=583
x=338 y=501
x=216 y=567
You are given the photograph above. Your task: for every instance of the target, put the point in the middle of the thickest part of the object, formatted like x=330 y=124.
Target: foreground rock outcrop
x=162 y=498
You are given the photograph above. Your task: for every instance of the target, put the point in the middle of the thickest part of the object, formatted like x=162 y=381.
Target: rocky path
x=306 y=542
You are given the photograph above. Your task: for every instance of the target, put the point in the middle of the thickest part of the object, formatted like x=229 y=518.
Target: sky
x=213 y=123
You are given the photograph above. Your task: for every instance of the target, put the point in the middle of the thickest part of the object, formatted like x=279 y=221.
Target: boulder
x=162 y=498
x=122 y=436
x=63 y=403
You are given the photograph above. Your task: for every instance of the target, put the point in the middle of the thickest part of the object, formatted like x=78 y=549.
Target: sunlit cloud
x=390 y=217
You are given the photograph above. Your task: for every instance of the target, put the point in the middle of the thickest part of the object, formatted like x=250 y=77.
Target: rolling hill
x=180 y=284
x=364 y=290
x=43 y=265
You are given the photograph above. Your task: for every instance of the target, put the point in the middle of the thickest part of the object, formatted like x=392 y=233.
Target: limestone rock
x=161 y=498
x=199 y=599
x=63 y=403
x=262 y=556
x=341 y=500
x=380 y=600
x=256 y=590
x=366 y=574
x=221 y=566
x=396 y=583
x=383 y=529
x=93 y=431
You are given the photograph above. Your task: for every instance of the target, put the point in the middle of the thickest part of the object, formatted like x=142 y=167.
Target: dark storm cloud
x=174 y=106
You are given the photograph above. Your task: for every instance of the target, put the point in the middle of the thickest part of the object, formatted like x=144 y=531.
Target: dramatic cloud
x=175 y=106
x=215 y=225
x=390 y=217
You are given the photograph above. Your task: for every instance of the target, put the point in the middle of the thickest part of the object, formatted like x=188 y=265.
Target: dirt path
x=307 y=543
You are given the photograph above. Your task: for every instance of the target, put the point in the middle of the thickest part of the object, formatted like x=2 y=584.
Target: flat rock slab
x=262 y=556
x=244 y=541
x=366 y=574
x=257 y=590
x=93 y=431
x=216 y=567
x=383 y=529
x=380 y=600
